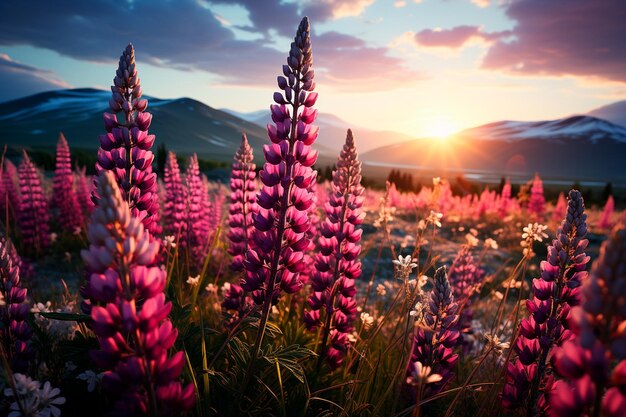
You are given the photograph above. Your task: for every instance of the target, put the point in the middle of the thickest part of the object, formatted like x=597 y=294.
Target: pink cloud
x=18 y=80
x=456 y=37
x=564 y=37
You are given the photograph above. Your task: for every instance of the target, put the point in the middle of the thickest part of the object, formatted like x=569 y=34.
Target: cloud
x=186 y=35
x=481 y=3
x=456 y=37
x=17 y=80
x=564 y=37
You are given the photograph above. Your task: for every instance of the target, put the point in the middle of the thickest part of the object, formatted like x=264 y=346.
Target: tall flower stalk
x=281 y=222
x=555 y=293
x=435 y=339
x=125 y=150
x=196 y=214
x=34 y=214
x=64 y=198
x=130 y=312
x=464 y=277
x=174 y=211
x=537 y=202
x=593 y=363
x=336 y=265
x=15 y=332
x=10 y=190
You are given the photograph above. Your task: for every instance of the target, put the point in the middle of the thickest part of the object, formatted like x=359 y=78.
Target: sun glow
x=441 y=128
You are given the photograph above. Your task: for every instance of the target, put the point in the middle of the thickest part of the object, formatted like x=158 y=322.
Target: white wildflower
x=193 y=281
x=91 y=378
x=422 y=375
x=471 y=240
x=212 y=289
x=434 y=218
x=169 y=241
x=534 y=231
x=491 y=243
x=381 y=290
x=493 y=341
x=367 y=320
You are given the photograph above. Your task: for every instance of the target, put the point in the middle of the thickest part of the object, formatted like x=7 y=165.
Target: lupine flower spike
x=10 y=190
x=174 y=211
x=34 y=213
x=125 y=148
x=555 y=293
x=593 y=364
x=242 y=206
x=607 y=212
x=197 y=217
x=15 y=332
x=64 y=198
x=536 y=203
x=282 y=221
x=332 y=301
x=436 y=337
x=130 y=312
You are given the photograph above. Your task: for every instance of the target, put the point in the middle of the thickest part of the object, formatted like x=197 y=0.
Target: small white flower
x=352 y=337
x=417 y=311
x=497 y=295
x=471 y=240
x=491 y=243
x=406 y=262
x=494 y=342
x=212 y=289
x=225 y=288
x=535 y=231
x=422 y=375
x=169 y=241
x=367 y=320
x=53 y=237
x=381 y=290
x=91 y=378
x=193 y=281
x=434 y=218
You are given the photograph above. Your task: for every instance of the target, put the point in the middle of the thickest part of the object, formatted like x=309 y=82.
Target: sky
x=420 y=67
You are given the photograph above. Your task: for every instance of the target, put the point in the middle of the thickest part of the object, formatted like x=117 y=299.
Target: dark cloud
x=558 y=37
x=456 y=37
x=186 y=35
x=18 y=80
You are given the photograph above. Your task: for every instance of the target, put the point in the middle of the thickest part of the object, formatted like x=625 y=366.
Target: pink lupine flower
x=560 y=208
x=609 y=207
x=555 y=293
x=125 y=148
x=34 y=215
x=505 y=199
x=536 y=203
x=64 y=199
x=174 y=209
x=336 y=265
x=196 y=215
x=15 y=332
x=216 y=204
x=436 y=338
x=10 y=190
x=593 y=363
x=130 y=311
x=464 y=277
x=281 y=222
x=84 y=184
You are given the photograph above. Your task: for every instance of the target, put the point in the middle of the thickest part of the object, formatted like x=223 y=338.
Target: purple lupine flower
x=15 y=332
x=593 y=363
x=84 y=184
x=196 y=216
x=64 y=198
x=554 y=295
x=130 y=311
x=125 y=148
x=216 y=204
x=242 y=204
x=336 y=264
x=607 y=212
x=536 y=202
x=10 y=190
x=436 y=338
x=34 y=214
x=281 y=222
x=464 y=277
x=174 y=210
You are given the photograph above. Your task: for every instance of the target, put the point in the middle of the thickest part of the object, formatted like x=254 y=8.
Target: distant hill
x=575 y=148
x=184 y=125
x=614 y=113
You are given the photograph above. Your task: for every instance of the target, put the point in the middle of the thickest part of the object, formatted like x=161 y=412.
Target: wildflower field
x=128 y=293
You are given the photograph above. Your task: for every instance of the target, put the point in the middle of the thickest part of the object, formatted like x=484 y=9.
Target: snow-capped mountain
x=614 y=113
x=567 y=129
x=572 y=148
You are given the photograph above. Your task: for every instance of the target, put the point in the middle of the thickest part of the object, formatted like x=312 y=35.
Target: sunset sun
x=442 y=128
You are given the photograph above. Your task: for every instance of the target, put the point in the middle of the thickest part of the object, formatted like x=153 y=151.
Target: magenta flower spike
x=336 y=264
x=197 y=217
x=84 y=184
x=607 y=212
x=536 y=203
x=555 y=293
x=560 y=209
x=593 y=364
x=10 y=190
x=174 y=209
x=64 y=198
x=34 y=214
x=125 y=150
x=282 y=222
x=242 y=204
x=130 y=312
x=464 y=277
x=15 y=333
x=505 y=199
x=436 y=338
